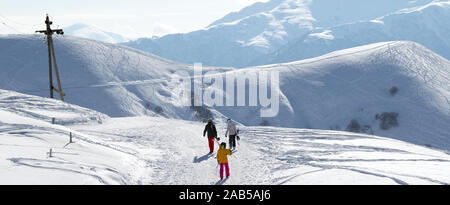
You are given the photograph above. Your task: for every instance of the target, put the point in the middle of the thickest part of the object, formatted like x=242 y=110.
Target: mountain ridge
x=94 y=33
x=401 y=25
x=250 y=40
x=336 y=88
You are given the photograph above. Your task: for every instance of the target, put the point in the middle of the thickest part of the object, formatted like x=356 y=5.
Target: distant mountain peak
x=265 y=32
x=95 y=33
x=323 y=12
x=255 y=8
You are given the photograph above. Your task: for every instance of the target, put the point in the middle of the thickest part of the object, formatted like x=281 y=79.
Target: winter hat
x=223 y=144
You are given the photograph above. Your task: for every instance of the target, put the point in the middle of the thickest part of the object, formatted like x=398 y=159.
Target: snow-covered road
x=174 y=152
x=162 y=151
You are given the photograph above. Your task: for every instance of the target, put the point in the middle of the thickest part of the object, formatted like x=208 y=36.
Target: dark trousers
x=232 y=141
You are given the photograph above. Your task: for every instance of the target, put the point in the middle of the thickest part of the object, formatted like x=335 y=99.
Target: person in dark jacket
x=210 y=128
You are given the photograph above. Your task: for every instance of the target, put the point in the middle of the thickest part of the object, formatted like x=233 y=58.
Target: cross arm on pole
x=51 y=32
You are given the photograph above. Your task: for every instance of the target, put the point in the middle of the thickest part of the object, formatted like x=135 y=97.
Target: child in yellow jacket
x=222 y=159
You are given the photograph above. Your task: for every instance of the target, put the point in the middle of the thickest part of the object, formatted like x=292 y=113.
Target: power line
x=126 y=83
x=11 y=27
x=16 y=22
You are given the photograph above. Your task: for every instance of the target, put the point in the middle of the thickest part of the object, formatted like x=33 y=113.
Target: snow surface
x=325 y=92
x=45 y=109
x=155 y=150
x=26 y=139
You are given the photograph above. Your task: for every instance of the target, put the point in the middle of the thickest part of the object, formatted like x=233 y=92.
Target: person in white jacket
x=232 y=133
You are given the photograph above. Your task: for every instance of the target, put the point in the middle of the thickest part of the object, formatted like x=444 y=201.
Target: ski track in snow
x=182 y=156
x=173 y=152
x=155 y=150
x=177 y=153
x=318 y=159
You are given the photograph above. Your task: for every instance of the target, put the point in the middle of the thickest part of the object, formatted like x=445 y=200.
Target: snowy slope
x=256 y=33
x=27 y=135
x=155 y=150
x=94 y=33
x=427 y=25
x=327 y=92
x=109 y=78
x=330 y=91
x=45 y=109
x=268 y=155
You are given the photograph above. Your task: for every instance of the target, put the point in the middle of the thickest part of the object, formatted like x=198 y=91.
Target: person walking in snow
x=232 y=133
x=210 y=128
x=222 y=159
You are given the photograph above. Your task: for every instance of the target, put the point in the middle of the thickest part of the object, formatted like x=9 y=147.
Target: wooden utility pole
x=51 y=57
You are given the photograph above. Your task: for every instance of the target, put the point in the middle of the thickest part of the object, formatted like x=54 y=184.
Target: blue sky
x=132 y=18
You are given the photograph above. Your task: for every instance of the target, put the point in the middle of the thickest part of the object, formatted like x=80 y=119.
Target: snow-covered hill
x=46 y=109
x=155 y=150
x=109 y=78
x=392 y=89
x=27 y=135
x=94 y=33
x=427 y=25
x=258 y=32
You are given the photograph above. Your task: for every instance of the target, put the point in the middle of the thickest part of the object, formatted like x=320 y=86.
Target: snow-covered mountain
x=325 y=12
x=256 y=33
x=365 y=87
x=374 y=114
x=427 y=25
x=148 y=150
x=393 y=89
x=94 y=33
x=109 y=78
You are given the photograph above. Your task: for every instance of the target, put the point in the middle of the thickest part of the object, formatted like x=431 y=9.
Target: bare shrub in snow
x=158 y=110
x=354 y=126
x=393 y=91
x=388 y=120
x=148 y=105
x=202 y=113
x=264 y=123
x=367 y=129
